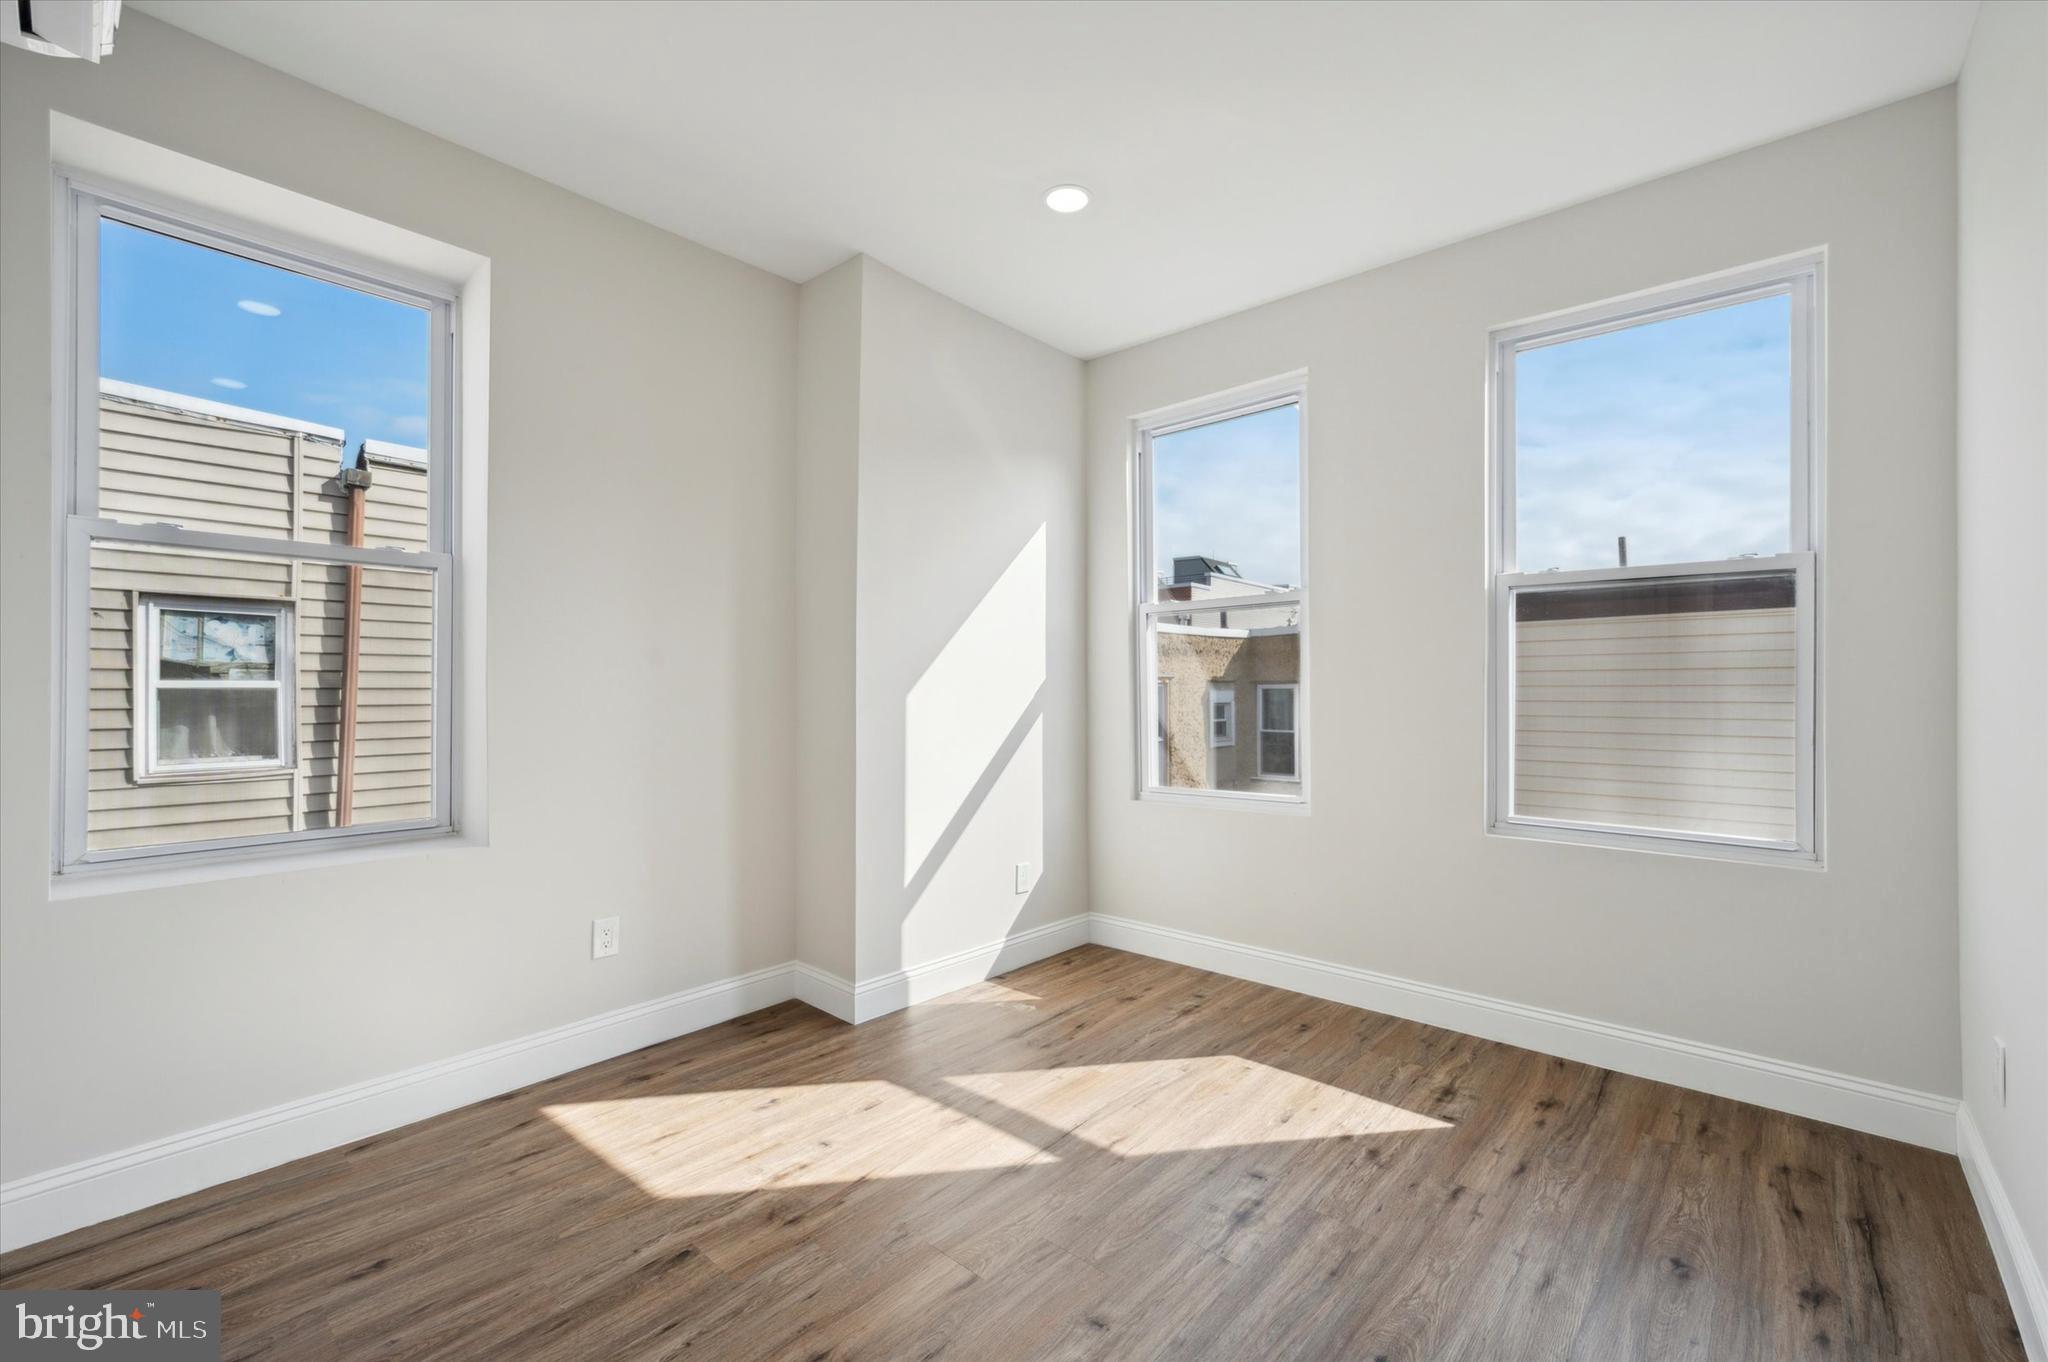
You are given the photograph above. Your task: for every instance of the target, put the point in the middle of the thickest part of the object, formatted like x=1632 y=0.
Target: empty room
x=1232 y=680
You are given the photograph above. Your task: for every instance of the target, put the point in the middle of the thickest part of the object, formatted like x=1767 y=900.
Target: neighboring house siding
x=119 y=811
x=204 y=472
x=1190 y=664
x=394 y=703
x=1680 y=721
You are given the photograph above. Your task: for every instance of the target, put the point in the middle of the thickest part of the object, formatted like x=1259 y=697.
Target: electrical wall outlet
x=604 y=937
x=1998 y=1073
x=1023 y=877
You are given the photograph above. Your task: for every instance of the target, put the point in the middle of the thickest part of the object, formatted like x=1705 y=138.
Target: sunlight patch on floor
x=1200 y=1102
x=715 y=1143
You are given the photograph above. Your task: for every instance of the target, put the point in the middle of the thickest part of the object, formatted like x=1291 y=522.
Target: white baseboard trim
x=824 y=990
x=2017 y=1265
x=886 y=993
x=1859 y=1103
x=42 y=1205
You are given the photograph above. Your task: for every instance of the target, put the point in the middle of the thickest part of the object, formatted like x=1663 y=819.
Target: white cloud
x=234 y=383
x=259 y=308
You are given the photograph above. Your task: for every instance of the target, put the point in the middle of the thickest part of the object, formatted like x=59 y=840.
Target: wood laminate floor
x=1098 y=1156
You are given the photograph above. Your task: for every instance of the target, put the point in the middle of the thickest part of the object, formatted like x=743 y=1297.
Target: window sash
x=74 y=768
x=1799 y=279
x=1502 y=817
x=82 y=202
x=87 y=201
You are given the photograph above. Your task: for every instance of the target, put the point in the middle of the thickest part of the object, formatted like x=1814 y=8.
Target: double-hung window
x=1656 y=567
x=1278 y=756
x=257 y=455
x=1221 y=603
x=212 y=692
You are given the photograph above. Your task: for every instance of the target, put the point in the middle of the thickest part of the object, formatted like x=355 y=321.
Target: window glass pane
x=1226 y=507
x=1276 y=754
x=1200 y=656
x=1664 y=705
x=216 y=723
x=217 y=647
x=390 y=759
x=394 y=739
x=233 y=392
x=1277 y=732
x=1674 y=434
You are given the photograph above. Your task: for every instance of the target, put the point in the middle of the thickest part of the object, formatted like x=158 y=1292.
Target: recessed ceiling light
x=1066 y=198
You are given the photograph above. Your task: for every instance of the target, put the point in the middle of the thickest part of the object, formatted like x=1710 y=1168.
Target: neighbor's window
x=257 y=562
x=1222 y=716
x=1277 y=735
x=214 y=695
x=1654 y=604
x=1221 y=602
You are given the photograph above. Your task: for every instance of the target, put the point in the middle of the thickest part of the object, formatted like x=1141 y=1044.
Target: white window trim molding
x=146 y=653
x=457 y=416
x=1290 y=389
x=1801 y=277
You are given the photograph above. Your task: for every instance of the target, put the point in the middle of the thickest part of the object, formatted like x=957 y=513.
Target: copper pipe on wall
x=357 y=481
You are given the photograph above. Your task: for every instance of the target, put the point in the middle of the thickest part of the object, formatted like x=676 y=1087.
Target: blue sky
x=1232 y=490
x=201 y=322
x=1676 y=434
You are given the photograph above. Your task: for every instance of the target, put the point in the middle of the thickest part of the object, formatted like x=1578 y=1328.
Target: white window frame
x=1259 y=714
x=1281 y=391
x=1225 y=696
x=80 y=202
x=1801 y=278
x=146 y=653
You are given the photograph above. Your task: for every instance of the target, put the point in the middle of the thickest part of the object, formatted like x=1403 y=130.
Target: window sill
x=1659 y=844
x=1228 y=799
x=96 y=879
x=218 y=776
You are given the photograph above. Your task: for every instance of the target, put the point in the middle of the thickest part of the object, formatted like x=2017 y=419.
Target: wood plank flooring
x=1098 y=1156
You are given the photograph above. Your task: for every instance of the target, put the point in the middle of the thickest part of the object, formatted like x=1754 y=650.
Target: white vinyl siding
x=394 y=700
x=202 y=475
x=1686 y=722
x=120 y=811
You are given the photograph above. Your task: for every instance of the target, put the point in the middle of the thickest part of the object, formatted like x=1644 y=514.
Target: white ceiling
x=1238 y=152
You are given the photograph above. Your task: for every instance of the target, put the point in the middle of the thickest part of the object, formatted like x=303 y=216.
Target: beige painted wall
x=642 y=399
x=827 y=505
x=2002 y=593
x=1851 y=968
x=972 y=723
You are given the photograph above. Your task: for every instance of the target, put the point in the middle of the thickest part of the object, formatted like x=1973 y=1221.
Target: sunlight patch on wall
x=958 y=715
x=748 y=1139
x=1202 y=1102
